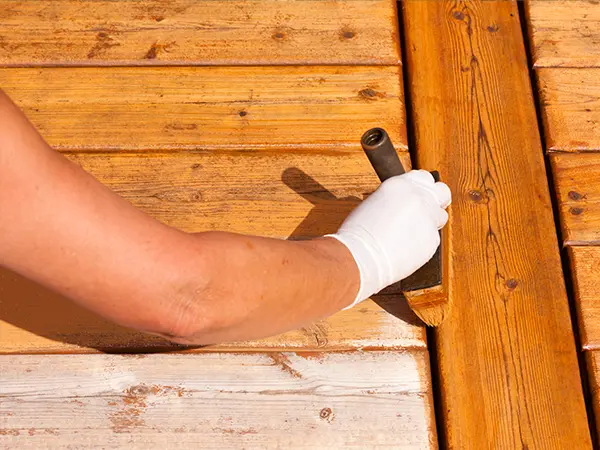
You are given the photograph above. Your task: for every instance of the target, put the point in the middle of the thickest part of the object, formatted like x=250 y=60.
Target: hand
x=395 y=230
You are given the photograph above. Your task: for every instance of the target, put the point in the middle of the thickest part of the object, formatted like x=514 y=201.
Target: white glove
x=395 y=230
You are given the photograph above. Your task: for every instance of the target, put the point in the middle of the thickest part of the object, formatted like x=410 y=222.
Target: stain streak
x=156 y=49
x=104 y=43
x=285 y=364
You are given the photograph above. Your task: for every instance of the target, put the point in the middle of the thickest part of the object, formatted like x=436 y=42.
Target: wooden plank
x=386 y=323
x=266 y=193
x=585 y=268
x=593 y=369
x=577 y=186
x=278 y=400
x=217 y=32
x=209 y=107
x=508 y=369
x=274 y=194
x=570 y=101
x=564 y=33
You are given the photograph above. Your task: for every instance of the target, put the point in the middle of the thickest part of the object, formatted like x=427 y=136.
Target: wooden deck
x=238 y=116
x=246 y=117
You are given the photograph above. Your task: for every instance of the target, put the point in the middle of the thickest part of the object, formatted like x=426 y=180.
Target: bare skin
x=63 y=229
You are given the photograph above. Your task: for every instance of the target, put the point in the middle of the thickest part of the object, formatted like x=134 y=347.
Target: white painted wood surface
x=217 y=400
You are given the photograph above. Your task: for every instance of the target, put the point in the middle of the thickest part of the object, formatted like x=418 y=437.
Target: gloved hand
x=395 y=230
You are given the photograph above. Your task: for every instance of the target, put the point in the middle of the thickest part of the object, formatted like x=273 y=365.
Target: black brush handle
x=381 y=153
x=383 y=157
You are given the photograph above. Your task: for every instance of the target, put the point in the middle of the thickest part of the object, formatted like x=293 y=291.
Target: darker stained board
x=585 y=269
x=190 y=32
x=271 y=194
x=570 y=105
x=564 y=33
x=577 y=187
x=210 y=108
x=508 y=370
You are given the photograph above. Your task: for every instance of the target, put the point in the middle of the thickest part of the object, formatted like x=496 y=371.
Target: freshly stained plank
x=570 y=108
x=274 y=194
x=593 y=369
x=564 y=33
x=209 y=107
x=34 y=320
x=217 y=32
x=577 y=185
x=276 y=400
x=585 y=268
x=508 y=370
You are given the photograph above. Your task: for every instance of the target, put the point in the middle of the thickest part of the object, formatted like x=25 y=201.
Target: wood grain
x=508 y=370
x=285 y=108
x=217 y=32
x=577 y=187
x=215 y=401
x=277 y=194
x=274 y=194
x=593 y=368
x=385 y=323
x=564 y=33
x=570 y=100
x=585 y=270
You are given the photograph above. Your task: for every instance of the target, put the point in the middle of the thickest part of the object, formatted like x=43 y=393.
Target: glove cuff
x=364 y=255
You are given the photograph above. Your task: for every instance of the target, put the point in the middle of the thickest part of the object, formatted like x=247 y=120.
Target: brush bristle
x=432 y=317
x=432 y=306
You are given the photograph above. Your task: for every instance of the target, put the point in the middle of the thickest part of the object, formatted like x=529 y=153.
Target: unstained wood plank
x=508 y=369
x=274 y=194
x=209 y=107
x=570 y=102
x=564 y=33
x=190 y=32
x=585 y=271
x=577 y=187
x=276 y=400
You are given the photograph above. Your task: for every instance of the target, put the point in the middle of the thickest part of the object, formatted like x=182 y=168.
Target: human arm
x=62 y=228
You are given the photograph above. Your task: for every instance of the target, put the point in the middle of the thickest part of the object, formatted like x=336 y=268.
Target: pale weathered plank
x=585 y=269
x=577 y=187
x=570 y=100
x=564 y=33
x=279 y=195
x=277 y=400
x=509 y=376
x=217 y=32
x=209 y=107
x=593 y=371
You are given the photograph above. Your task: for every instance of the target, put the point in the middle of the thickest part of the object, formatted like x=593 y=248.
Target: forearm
x=62 y=228
x=259 y=287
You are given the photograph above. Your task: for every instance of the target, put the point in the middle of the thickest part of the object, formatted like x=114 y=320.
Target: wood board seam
x=578 y=243
x=306 y=351
x=320 y=149
x=175 y=64
x=554 y=149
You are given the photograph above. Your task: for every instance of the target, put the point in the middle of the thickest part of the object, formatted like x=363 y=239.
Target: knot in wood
x=573 y=195
x=325 y=413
